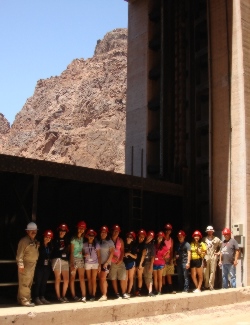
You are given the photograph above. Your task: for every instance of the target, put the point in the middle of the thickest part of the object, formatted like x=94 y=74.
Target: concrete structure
x=188 y=108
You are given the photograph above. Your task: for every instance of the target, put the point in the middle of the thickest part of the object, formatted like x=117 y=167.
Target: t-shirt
x=194 y=250
x=61 y=248
x=160 y=255
x=139 y=249
x=78 y=245
x=228 y=249
x=181 y=252
x=129 y=248
x=105 y=246
x=90 y=252
x=150 y=251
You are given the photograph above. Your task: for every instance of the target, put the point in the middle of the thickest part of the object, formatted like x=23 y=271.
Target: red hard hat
x=161 y=233
x=116 y=227
x=63 y=226
x=197 y=233
x=168 y=226
x=142 y=232
x=131 y=233
x=82 y=224
x=48 y=233
x=181 y=233
x=150 y=233
x=90 y=231
x=104 y=228
x=226 y=231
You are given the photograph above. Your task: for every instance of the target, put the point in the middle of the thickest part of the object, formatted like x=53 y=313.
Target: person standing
x=168 y=270
x=27 y=256
x=229 y=254
x=60 y=261
x=92 y=261
x=106 y=253
x=182 y=260
x=129 y=260
x=210 y=260
x=117 y=268
x=140 y=252
x=77 y=262
x=149 y=249
x=198 y=251
x=161 y=251
x=43 y=268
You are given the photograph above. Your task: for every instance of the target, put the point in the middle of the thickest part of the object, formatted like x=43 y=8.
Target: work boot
x=44 y=301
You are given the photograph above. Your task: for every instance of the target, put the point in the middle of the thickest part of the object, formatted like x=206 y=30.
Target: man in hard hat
x=229 y=254
x=27 y=255
x=210 y=260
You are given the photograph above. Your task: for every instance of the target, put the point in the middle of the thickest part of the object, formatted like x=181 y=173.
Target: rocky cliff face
x=78 y=117
x=4 y=130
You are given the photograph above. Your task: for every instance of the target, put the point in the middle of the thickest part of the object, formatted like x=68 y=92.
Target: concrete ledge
x=116 y=310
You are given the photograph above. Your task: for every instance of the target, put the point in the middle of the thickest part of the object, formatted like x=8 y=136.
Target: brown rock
x=4 y=129
x=78 y=117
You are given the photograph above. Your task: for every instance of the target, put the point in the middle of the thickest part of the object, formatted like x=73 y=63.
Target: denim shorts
x=158 y=267
x=130 y=265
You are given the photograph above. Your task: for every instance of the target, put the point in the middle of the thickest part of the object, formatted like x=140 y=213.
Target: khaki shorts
x=117 y=272
x=168 y=270
x=148 y=276
x=59 y=265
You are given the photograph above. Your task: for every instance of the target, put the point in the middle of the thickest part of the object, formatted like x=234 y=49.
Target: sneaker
x=44 y=301
x=65 y=299
x=83 y=299
x=92 y=299
x=185 y=291
x=151 y=294
x=173 y=292
x=103 y=298
x=28 y=304
x=158 y=293
x=125 y=296
x=77 y=299
x=61 y=300
x=197 y=290
x=38 y=301
x=117 y=296
x=138 y=293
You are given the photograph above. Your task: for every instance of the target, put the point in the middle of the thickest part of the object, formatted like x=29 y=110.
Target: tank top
x=117 y=252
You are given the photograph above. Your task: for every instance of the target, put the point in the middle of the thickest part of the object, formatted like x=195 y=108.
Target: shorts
x=148 y=276
x=78 y=263
x=59 y=265
x=130 y=265
x=196 y=263
x=93 y=266
x=105 y=269
x=158 y=267
x=168 y=269
x=117 y=272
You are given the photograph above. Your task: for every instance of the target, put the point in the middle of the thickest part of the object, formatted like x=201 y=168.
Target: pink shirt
x=159 y=255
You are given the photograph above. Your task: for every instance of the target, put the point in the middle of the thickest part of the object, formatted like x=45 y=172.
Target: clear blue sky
x=39 y=38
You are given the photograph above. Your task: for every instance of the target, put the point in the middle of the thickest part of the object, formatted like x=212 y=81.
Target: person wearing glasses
x=77 y=262
x=92 y=256
x=43 y=268
x=129 y=259
x=168 y=270
x=60 y=261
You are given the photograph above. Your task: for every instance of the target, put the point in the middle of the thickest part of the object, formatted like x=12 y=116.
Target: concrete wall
x=136 y=124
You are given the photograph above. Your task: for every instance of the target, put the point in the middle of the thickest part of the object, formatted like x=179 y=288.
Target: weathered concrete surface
x=117 y=310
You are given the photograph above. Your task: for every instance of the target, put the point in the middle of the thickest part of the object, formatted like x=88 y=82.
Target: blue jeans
x=228 y=269
x=183 y=277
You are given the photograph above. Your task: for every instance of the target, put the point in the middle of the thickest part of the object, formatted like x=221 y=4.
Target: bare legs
x=65 y=276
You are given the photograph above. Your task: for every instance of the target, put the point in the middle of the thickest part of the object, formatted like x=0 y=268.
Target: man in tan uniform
x=27 y=255
x=210 y=260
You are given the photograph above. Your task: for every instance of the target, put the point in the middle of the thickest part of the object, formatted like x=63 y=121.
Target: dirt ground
x=236 y=314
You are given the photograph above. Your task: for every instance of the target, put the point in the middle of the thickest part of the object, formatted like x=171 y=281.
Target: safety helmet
x=104 y=228
x=31 y=226
x=63 y=226
x=210 y=228
x=197 y=234
x=161 y=234
x=181 y=233
x=150 y=233
x=82 y=224
x=90 y=231
x=142 y=232
x=226 y=231
x=168 y=226
x=131 y=233
x=48 y=233
x=116 y=227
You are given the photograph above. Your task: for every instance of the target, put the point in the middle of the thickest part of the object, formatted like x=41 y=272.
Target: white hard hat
x=31 y=226
x=210 y=228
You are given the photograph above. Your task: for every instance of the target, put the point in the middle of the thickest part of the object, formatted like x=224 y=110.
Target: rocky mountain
x=78 y=117
x=4 y=130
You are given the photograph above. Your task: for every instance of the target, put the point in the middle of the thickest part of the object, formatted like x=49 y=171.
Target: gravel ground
x=236 y=314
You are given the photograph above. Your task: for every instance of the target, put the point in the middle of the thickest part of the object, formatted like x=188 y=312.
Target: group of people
x=151 y=257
